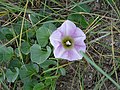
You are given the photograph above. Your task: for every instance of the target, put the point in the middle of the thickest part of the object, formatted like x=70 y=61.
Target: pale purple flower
x=67 y=41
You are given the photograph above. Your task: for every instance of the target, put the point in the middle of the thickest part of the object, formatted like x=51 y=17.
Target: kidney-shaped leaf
x=5 y=53
x=27 y=71
x=12 y=76
x=25 y=48
x=43 y=34
x=38 y=55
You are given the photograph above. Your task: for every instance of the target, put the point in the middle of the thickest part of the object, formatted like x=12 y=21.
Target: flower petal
x=79 y=44
x=80 y=47
x=56 y=38
x=79 y=41
x=67 y=28
x=72 y=55
x=69 y=55
x=79 y=33
x=59 y=51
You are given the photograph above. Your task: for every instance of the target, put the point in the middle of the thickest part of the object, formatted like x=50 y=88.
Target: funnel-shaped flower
x=67 y=41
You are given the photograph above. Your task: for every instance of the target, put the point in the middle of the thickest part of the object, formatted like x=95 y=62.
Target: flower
x=67 y=41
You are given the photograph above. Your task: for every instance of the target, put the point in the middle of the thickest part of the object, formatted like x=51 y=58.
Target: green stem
x=99 y=69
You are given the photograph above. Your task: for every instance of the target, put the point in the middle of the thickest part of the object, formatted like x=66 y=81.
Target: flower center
x=67 y=42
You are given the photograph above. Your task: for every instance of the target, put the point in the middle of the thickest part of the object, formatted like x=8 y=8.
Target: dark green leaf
x=15 y=63
x=39 y=56
x=17 y=26
x=12 y=76
x=25 y=48
x=31 y=32
x=2 y=36
x=6 y=32
x=78 y=19
x=17 y=52
x=39 y=86
x=63 y=71
x=43 y=34
x=34 y=18
x=48 y=82
x=28 y=84
x=83 y=22
x=47 y=63
x=27 y=71
x=6 y=53
x=50 y=26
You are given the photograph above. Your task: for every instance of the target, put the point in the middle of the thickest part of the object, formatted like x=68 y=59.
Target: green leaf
x=79 y=19
x=28 y=70
x=17 y=26
x=2 y=36
x=84 y=22
x=38 y=55
x=31 y=32
x=47 y=63
x=63 y=71
x=7 y=33
x=43 y=34
x=17 y=52
x=6 y=53
x=51 y=83
x=15 y=63
x=34 y=18
x=39 y=86
x=50 y=26
x=12 y=76
x=48 y=82
x=25 y=48
x=28 y=84
x=110 y=2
